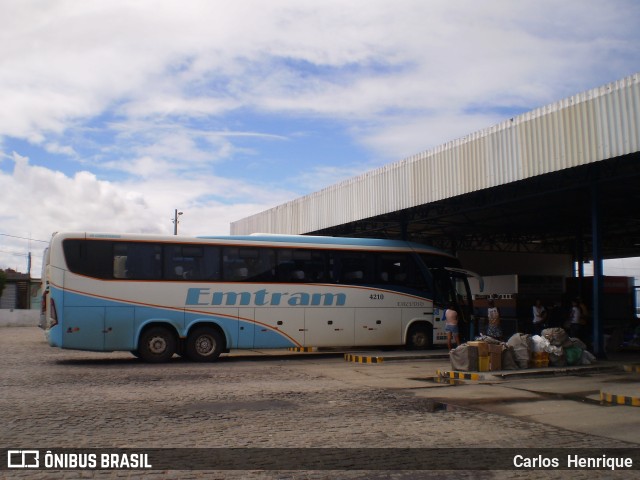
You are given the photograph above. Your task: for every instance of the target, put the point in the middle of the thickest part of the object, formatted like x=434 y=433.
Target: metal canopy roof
x=550 y=213
x=532 y=183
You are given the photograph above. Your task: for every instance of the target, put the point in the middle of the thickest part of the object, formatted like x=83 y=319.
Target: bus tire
x=420 y=337
x=204 y=344
x=157 y=345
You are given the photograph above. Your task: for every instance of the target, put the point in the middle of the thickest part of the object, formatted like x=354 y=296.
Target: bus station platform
x=626 y=391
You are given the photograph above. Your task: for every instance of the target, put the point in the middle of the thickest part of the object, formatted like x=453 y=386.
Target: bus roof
x=304 y=240
x=321 y=240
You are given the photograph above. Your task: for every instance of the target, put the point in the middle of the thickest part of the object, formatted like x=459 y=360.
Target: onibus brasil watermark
x=83 y=461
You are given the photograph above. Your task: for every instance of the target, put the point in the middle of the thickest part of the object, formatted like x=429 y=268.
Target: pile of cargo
x=554 y=348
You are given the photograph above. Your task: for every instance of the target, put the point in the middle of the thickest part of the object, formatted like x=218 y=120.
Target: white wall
x=19 y=318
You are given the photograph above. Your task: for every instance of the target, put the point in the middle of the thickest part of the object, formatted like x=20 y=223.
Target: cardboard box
x=483 y=348
x=495 y=357
x=483 y=363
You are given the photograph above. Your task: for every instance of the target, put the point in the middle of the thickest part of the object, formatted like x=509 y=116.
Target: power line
x=35 y=254
x=24 y=238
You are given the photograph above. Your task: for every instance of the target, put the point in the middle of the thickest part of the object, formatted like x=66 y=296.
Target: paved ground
x=50 y=398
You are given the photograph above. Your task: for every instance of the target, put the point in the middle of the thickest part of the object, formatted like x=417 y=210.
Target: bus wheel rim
x=205 y=345
x=158 y=345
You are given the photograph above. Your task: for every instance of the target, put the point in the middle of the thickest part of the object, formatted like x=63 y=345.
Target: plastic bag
x=539 y=344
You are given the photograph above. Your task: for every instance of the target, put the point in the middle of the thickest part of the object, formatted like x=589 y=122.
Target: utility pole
x=176 y=214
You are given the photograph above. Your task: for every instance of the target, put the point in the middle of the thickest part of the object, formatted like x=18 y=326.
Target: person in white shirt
x=539 y=317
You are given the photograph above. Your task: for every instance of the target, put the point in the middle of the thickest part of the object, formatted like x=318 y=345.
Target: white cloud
x=51 y=201
x=68 y=60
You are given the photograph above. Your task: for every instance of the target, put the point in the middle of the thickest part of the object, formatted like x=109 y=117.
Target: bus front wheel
x=204 y=344
x=420 y=337
x=157 y=344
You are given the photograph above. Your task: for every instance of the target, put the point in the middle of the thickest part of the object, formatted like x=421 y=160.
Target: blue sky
x=116 y=113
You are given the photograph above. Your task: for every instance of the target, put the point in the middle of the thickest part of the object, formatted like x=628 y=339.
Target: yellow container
x=483 y=363
x=540 y=356
x=540 y=363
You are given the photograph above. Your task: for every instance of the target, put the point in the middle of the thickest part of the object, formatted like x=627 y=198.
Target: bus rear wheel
x=204 y=344
x=156 y=345
x=420 y=337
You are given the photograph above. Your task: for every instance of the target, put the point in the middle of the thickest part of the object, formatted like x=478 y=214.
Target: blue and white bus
x=157 y=296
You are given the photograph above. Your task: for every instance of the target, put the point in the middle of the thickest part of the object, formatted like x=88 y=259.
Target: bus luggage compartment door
x=279 y=327
x=378 y=326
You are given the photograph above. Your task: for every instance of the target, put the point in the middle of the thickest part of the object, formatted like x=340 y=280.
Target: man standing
x=451 y=325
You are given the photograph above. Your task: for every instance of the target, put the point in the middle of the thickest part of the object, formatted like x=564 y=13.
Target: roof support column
x=404 y=227
x=598 y=278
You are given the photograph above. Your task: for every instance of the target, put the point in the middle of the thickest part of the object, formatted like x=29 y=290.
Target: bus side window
x=301 y=266
x=119 y=266
x=93 y=258
x=211 y=269
x=143 y=260
x=400 y=269
x=356 y=267
x=184 y=262
x=246 y=264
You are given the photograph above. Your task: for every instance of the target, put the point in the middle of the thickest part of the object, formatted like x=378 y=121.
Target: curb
x=615 y=399
x=460 y=375
x=631 y=368
x=619 y=399
x=362 y=359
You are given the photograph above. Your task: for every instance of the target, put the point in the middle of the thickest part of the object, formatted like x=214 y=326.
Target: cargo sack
x=491 y=340
x=557 y=359
x=587 y=358
x=557 y=336
x=508 y=359
x=464 y=358
x=576 y=342
x=520 y=343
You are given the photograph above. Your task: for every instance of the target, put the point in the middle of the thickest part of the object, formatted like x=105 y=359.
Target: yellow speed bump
x=460 y=375
x=362 y=358
x=619 y=399
x=632 y=368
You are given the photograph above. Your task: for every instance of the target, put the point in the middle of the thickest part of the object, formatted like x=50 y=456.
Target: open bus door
x=452 y=288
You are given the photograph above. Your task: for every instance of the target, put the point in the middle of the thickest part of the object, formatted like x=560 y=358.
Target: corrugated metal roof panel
x=585 y=128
